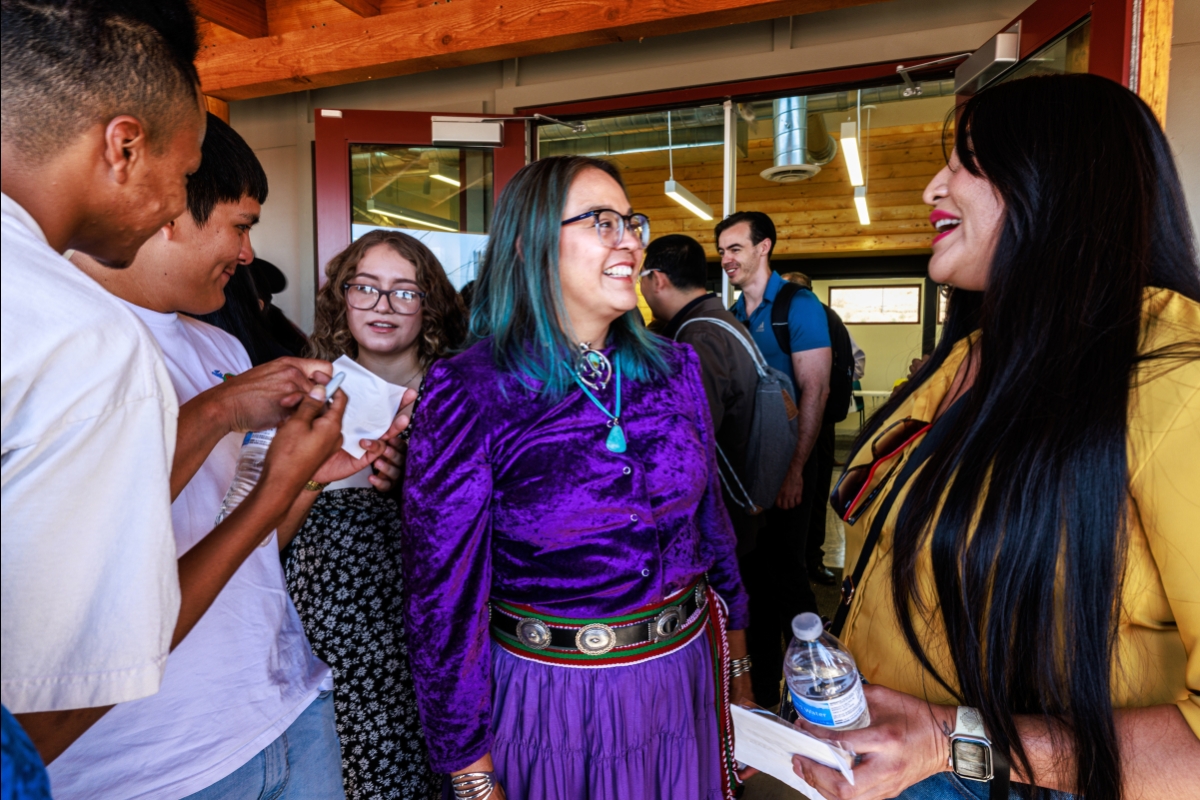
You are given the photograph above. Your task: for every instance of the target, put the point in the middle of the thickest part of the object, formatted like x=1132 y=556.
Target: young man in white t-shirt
x=245 y=674
x=102 y=124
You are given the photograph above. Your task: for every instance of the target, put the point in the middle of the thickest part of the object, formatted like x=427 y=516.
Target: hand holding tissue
x=372 y=404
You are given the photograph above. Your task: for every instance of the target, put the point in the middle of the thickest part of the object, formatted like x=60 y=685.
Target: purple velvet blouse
x=508 y=496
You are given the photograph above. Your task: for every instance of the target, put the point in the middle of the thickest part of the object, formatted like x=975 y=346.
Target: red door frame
x=331 y=163
x=1040 y=24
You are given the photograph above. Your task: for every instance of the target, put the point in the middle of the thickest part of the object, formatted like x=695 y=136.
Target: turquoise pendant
x=616 y=440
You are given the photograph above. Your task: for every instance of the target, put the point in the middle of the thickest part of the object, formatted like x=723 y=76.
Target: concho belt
x=632 y=637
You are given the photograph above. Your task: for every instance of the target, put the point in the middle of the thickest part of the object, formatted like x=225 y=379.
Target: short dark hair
x=681 y=258
x=68 y=64
x=761 y=227
x=229 y=171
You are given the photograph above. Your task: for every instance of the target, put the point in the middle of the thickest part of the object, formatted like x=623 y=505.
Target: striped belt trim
x=647 y=633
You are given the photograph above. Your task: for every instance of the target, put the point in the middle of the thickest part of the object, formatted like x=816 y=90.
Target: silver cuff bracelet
x=473 y=785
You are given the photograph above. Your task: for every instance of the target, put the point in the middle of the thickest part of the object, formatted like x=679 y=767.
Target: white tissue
x=372 y=404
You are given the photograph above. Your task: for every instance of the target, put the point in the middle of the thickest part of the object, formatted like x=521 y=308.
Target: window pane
x=1067 y=54
x=858 y=305
x=442 y=196
x=798 y=170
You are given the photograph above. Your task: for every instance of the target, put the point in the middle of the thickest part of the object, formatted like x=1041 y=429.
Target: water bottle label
x=832 y=713
x=259 y=437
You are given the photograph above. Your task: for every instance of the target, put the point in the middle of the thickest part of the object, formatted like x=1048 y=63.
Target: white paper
x=372 y=404
x=767 y=743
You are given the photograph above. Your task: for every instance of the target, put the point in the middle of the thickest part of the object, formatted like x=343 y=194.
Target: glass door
x=395 y=169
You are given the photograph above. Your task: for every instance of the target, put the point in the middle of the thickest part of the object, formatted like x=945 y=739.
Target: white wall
x=280 y=128
x=1183 y=102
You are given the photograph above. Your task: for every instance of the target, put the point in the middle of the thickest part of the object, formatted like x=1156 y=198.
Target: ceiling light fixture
x=677 y=191
x=850 y=149
x=860 y=203
x=439 y=173
x=406 y=215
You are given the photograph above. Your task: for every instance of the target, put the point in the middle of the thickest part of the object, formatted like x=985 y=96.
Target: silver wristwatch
x=970 y=749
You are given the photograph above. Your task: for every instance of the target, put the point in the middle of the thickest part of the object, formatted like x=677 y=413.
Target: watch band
x=968 y=723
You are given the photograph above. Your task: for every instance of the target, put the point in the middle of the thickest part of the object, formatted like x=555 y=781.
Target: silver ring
x=595 y=639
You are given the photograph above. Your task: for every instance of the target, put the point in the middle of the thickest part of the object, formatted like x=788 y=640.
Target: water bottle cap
x=807 y=626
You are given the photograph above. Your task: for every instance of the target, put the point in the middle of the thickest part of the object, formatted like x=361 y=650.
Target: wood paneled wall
x=815 y=217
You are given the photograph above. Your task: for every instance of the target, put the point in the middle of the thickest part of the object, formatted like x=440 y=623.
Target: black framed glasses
x=858 y=486
x=362 y=297
x=610 y=226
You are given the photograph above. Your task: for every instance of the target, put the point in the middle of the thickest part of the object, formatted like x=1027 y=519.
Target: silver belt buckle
x=666 y=624
x=595 y=639
x=533 y=633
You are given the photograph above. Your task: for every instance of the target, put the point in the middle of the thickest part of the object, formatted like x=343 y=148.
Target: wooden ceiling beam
x=246 y=17
x=452 y=34
x=364 y=8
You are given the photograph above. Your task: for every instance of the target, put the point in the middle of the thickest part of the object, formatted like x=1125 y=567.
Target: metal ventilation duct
x=795 y=159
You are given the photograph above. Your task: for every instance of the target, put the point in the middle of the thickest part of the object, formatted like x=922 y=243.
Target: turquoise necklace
x=616 y=435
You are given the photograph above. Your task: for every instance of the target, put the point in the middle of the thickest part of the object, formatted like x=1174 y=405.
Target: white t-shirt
x=246 y=670
x=90 y=586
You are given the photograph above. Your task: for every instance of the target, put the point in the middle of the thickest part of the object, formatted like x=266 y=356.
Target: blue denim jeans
x=22 y=776
x=304 y=763
x=948 y=786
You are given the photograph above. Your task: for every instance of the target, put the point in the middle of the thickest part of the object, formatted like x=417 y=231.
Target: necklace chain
x=615 y=441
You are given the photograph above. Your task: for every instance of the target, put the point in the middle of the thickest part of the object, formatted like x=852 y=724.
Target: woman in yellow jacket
x=1024 y=514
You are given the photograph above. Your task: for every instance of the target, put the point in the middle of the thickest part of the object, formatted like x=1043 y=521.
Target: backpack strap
x=780 y=308
x=933 y=439
x=741 y=496
x=760 y=363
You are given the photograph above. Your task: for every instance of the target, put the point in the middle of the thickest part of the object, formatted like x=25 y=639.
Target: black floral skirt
x=343 y=571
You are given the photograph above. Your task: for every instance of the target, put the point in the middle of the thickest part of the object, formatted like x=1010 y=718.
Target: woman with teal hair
x=571 y=567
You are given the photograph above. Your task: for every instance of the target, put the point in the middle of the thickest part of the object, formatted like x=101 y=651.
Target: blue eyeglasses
x=610 y=226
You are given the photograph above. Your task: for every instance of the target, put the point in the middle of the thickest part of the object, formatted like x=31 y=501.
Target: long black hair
x=1028 y=549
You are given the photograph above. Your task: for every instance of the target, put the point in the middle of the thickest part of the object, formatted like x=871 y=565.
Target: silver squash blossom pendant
x=592 y=367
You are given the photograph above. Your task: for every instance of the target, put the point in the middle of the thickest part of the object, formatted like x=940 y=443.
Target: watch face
x=971 y=759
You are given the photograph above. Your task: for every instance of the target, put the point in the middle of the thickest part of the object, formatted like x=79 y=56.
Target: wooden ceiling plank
x=246 y=17
x=451 y=34
x=288 y=16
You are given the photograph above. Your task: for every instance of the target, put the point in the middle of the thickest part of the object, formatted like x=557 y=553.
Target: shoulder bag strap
x=932 y=440
x=760 y=363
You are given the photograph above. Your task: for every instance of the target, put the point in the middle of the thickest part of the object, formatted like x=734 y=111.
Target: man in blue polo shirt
x=775 y=574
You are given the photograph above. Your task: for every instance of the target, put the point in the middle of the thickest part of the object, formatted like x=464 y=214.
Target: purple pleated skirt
x=645 y=731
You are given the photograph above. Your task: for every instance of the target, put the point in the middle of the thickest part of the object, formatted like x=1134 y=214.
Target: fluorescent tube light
x=860 y=203
x=679 y=193
x=850 y=149
x=436 y=173
x=415 y=217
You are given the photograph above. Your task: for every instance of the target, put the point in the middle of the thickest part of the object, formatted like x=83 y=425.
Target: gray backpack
x=774 y=430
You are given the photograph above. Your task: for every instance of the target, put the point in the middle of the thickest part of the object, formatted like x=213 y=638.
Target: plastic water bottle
x=249 y=470
x=822 y=680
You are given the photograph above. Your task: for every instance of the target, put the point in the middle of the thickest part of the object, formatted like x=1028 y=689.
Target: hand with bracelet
x=740 y=690
x=477 y=782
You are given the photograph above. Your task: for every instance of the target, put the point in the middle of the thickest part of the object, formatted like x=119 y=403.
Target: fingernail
x=318 y=393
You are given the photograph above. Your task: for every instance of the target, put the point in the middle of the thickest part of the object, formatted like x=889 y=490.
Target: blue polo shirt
x=808 y=328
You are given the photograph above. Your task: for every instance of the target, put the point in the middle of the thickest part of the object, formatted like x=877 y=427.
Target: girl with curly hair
x=389 y=306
